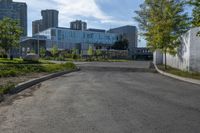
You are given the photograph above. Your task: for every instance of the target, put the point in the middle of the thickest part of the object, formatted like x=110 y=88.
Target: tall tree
x=10 y=33
x=162 y=23
x=195 y=12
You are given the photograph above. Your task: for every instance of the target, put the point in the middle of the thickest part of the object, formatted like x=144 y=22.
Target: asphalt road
x=105 y=102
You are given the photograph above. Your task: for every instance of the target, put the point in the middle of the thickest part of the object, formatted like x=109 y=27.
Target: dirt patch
x=9 y=99
x=20 y=79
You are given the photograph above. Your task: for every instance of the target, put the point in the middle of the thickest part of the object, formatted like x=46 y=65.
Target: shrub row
x=12 y=70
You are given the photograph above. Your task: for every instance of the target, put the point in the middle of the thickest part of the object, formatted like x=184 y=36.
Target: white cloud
x=70 y=10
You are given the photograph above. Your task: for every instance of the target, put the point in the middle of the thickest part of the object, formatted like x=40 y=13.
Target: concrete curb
x=189 y=80
x=1 y=98
x=22 y=86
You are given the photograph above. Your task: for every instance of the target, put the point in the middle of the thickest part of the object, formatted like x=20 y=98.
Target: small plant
x=54 y=51
x=6 y=88
x=42 y=52
x=32 y=51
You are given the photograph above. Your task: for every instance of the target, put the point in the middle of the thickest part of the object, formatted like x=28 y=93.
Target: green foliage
x=75 y=53
x=162 y=23
x=90 y=51
x=10 y=33
x=54 y=51
x=195 y=13
x=98 y=52
x=21 y=61
x=122 y=44
x=6 y=88
x=186 y=74
x=42 y=52
x=69 y=65
x=12 y=70
x=32 y=51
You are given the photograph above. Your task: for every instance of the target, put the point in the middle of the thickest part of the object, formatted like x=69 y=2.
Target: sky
x=103 y=14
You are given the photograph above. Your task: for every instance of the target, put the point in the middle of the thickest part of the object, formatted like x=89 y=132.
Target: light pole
x=38 y=40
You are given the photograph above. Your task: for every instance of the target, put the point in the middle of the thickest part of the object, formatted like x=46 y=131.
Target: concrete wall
x=158 y=57
x=188 y=54
x=195 y=50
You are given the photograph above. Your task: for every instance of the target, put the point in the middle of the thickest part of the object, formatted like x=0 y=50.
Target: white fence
x=188 y=54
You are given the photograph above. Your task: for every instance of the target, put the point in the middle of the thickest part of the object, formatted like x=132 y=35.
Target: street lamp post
x=38 y=40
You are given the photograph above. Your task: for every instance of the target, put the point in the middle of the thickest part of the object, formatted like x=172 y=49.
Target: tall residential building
x=129 y=33
x=36 y=26
x=78 y=25
x=14 y=10
x=49 y=19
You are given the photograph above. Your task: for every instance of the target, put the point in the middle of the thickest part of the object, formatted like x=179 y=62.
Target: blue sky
x=104 y=14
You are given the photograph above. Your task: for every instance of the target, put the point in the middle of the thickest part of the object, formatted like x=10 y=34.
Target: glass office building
x=65 y=38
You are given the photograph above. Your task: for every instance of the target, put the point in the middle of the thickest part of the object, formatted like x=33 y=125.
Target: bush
x=8 y=73
x=70 y=65
x=5 y=89
x=12 y=70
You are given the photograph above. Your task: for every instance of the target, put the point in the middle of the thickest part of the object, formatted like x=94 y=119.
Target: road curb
x=189 y=80
x=1 y=98
x=22 y=86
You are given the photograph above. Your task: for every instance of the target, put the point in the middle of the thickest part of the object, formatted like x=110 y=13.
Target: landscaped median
x=191 y=77
x=11 y=74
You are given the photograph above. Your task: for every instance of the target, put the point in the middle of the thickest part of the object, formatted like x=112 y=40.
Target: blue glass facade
x=65 y=38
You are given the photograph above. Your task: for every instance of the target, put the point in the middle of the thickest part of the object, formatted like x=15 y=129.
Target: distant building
x=129 y=33
x=49 y=19
x=67 y=39
x=14 y=10
x=81 y=38
x=78 y=25
x=36 y=26
x=97 y=30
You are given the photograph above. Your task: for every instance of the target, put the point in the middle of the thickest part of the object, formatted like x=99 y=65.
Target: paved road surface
x=130 y=64
x=105 y=102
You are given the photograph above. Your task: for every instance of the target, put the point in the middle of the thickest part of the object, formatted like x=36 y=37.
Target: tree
x=98 y=52
x=162 y=23
x=54 y=51
x=122 y=44
x=75 y=53
x=90 y=51
x=10 y=33
x=195 y=12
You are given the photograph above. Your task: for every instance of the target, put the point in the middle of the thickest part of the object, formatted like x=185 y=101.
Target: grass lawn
x=180 y=73
x=21 y=61
x=17 y=68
